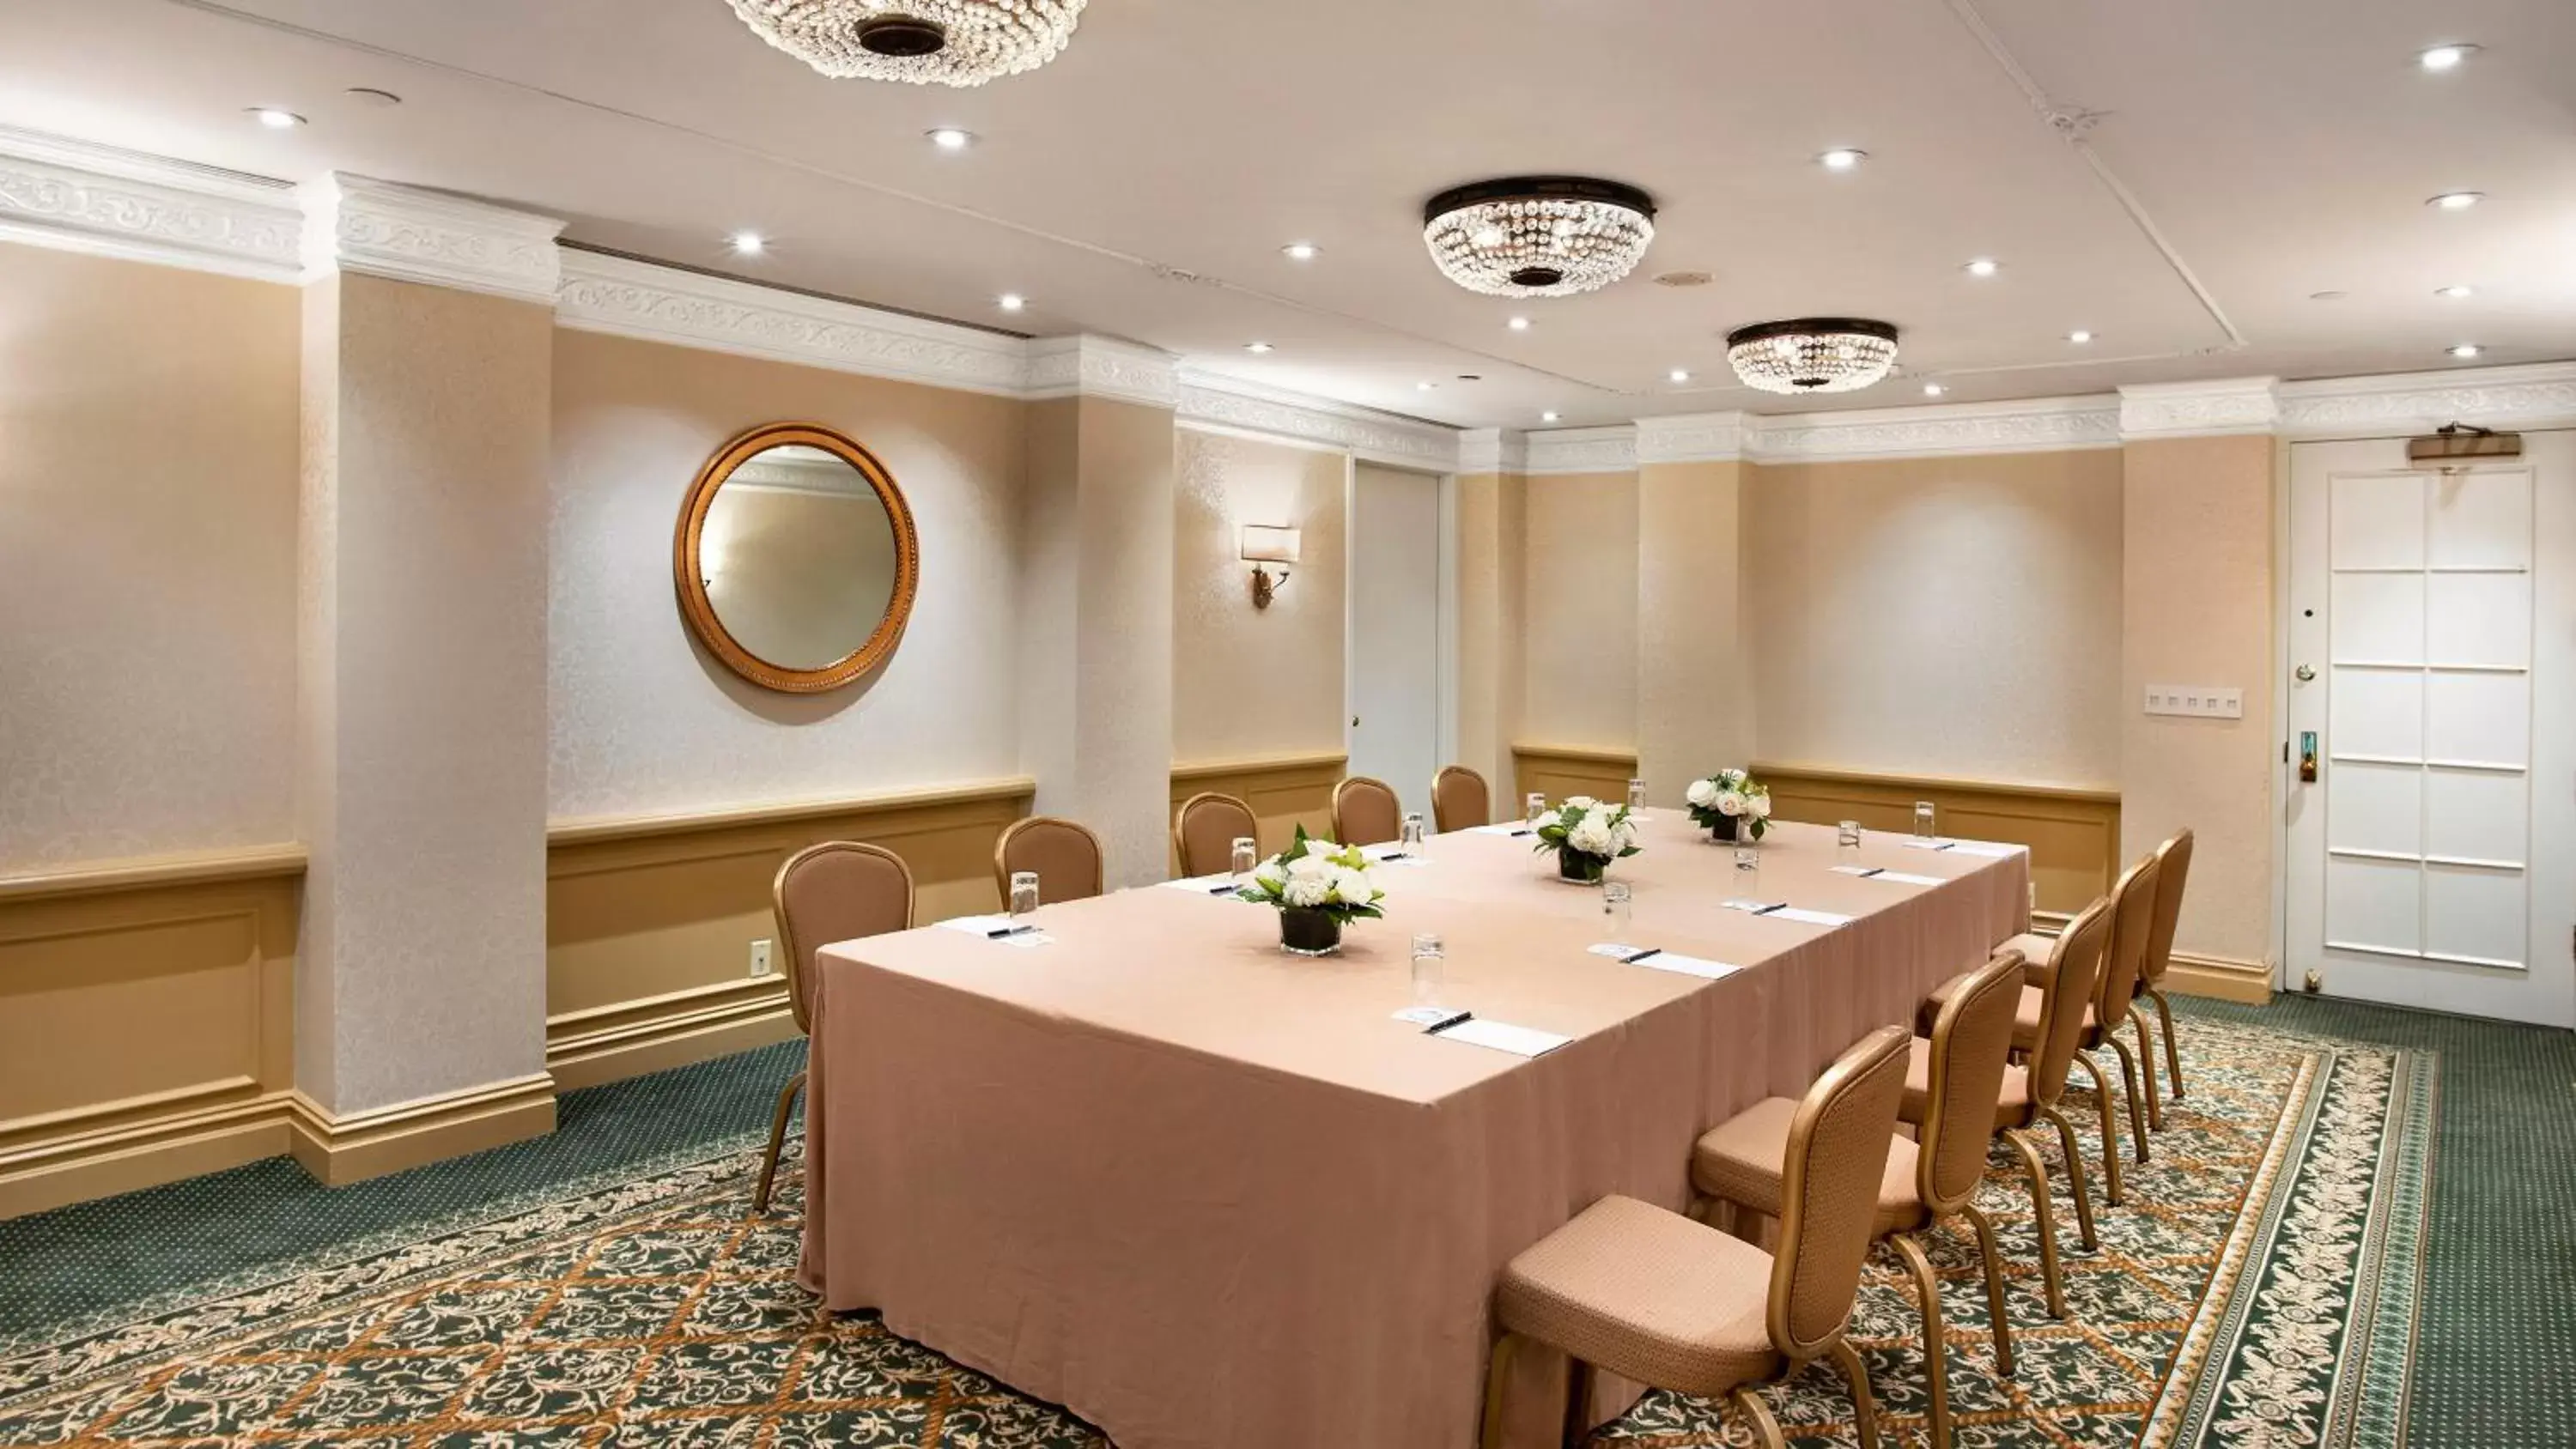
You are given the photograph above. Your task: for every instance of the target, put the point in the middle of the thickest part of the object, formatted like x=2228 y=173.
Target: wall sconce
x=1265 y=544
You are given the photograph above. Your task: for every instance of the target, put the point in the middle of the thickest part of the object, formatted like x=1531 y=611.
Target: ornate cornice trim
x=74 y=196
x=1493 y=450
x=2418 y=401
x=2223 y=408
x=1089 y=366
x=1695 y=437
x=2039 y=425
x=1215 y=401
x=1584 y=450
x=358 y=224
x=628 y=298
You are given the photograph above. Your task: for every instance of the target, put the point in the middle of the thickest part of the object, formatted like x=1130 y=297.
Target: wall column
x=420 y=983
x=1694 y=634
x=1096 y=567
x=1492 y=513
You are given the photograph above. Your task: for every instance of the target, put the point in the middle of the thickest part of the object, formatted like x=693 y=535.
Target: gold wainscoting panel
x=1284 y=791
x=2073 y=833
x=1559 y=771
x=650 y=918
x=146 y=1021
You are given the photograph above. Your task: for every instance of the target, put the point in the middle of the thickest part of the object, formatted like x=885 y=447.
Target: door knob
x=2305 y=672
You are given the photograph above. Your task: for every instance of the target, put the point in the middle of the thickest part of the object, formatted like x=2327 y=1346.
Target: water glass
x=1024 y=892
x=1429 y=969
x=1847 y=834
x=1615 y=905
x=1535 y=810
x=1636 y=797
x=1246 y=855
x=1747 y=858
x=1923 y=820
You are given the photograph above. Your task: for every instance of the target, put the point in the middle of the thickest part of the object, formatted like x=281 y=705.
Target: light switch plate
x=2204 y=701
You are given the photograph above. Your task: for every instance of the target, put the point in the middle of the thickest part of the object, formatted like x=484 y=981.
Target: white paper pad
x=1753 y=907
x=1388 y=851
x=1665 y=960
x=1995 y=849
x=1812 y=918
x=1863 y=871
x=992 y=928
x=1026 y=939
x=1913 y=844
x=1520 y=1041
x=1880 y=872
x=1206 y=885
x=1499 y=830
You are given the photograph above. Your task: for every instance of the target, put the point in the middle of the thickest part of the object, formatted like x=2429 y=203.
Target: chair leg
x=1993 y=1254
x=2075 y=1180
x=777 y=1139
x=2111 y=1191
x=1578 y=1403
x=1766 y=1430
x=2147 y=1073
x=1864 y=1404
x=2173 y=1056
x=2047 y=1219
x=1936 y=1370
x=1498 y=1377
x=2129 y=1083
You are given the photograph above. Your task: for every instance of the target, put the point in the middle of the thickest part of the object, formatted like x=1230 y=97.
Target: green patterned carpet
x=608 y=1287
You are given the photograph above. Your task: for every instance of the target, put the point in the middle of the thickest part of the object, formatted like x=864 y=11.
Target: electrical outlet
x=2202 y=701
x=760 y=958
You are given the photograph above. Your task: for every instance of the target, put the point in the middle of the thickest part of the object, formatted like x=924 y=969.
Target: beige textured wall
x=1954 y=617
x=644 y=720
x=1493 y=536
x=1247 y=682
x=1580 y=591
x=147 y=559
x=2197 y=592
x=1695 y=674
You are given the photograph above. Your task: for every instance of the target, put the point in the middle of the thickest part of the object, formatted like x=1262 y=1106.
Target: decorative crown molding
x=1937 y=430
x=1583 y=450
x=1213 y=400
x=74 y=196
x=1101 y=367
x=1493 y=450
x=1695 y=437
x=358 y=224
x=2418 y=401
x=2217 y=409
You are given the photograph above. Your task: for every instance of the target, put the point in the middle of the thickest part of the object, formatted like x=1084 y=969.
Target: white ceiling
x=1142 y=185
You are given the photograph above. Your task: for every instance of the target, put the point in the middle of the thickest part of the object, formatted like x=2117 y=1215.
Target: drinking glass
x=1413 y=833
x=1615 y=905
x=1636 y=797
x=1747 y=858
x=1536 y=810
x=1429 y=968
x=1024 y=892
x=1923 y=820
x=1246 y=855
x=1847 y=834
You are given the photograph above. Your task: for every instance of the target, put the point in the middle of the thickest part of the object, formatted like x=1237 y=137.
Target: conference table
x=1207 y=1194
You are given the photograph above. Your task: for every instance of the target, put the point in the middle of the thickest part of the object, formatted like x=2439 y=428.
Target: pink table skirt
x=1205 y=1194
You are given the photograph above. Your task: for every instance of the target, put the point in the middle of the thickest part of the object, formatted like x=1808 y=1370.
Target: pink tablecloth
x=1208 y=1195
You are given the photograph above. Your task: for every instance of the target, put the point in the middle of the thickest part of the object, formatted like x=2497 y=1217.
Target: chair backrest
x=2074 y=964
x=1366 y=812
x=1205 y=829
x=839 y=890
x=1459 y=799
x=1829 y=1191
x=1065 y=855
x=2173 y=866
x=2133 y=921
x=1970 y=1039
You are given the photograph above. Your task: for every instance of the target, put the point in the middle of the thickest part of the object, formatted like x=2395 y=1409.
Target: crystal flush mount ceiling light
x=1812 y=354
x=924 y=42
x=1538 y=236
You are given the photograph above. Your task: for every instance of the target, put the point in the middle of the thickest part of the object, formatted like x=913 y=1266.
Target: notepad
x=1212 y=885
x=1500 y=830
x=1812 y=918
x=1863 y=871
x=1520 y=1041
x=1656 y=959
x=992 y=928
x=1754 y=908
x=1880 y=872
x=1913 y=844
x=1385 y=852
x=1991 y=848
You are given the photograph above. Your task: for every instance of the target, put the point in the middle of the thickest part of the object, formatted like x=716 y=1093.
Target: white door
x=2432 y=862
x=1394 y=635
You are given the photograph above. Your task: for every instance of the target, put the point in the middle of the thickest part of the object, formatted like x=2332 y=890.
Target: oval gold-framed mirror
x=796 y=560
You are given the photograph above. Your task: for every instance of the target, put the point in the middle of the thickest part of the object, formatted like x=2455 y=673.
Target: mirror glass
x=797 y=555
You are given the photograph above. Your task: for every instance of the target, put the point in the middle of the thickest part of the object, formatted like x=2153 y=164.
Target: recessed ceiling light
x=949 y=138
x=2457 y=200
x=1549 y=417
x=1302 y=251
x=276 y=119
x=1424 y=386
x=1933 y=389
x=2455 y=291
x=1518 y=324
x=2079 y=335
x=1256 y=347
x=2467 y=349
x=1011 y=302
x=2445 y=57
x=1841 y=158
x=2327 y=296
x=1684 y=279
x=1679 y=374
x=748 y=243
x=1984 y=267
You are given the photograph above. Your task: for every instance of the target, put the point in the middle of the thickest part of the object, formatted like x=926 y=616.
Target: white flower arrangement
x=1587 y=835
x=1317 y=875
x=1730 y=800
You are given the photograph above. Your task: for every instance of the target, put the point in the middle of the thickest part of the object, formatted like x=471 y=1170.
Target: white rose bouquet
x=1318 y=886
x=1729 y=803
x=1587 y=835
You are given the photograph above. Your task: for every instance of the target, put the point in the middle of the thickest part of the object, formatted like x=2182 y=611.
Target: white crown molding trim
x=1218 y=403
x=2223 y=408
x=644 y=300
x=77 y=197
x=357 y=224
x=1937 y=430
x=1493 y=450
x=1089 y=366
x=1695 y=437
x=2412 y=402
x=1583 y=450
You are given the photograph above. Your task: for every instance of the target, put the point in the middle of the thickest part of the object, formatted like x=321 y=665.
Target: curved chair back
x=1970 y=1039
x=2173 y=865
x=839 y=890
x=1205 y=830
x=2074 y=964
x=1065 y=855
x=2133 y=921
x=1459 y=799
x=1366 y=812
x=1829 y=1192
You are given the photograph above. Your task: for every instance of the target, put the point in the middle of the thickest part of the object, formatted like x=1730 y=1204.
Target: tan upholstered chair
x=1366 y=812
x=1926 y=1180
x=2031 y=1089
x=1205 y=829
x=1651 y=1295
x=1065 y=855
x=839 y=890
x=1459 y=799
x=2173 y=867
